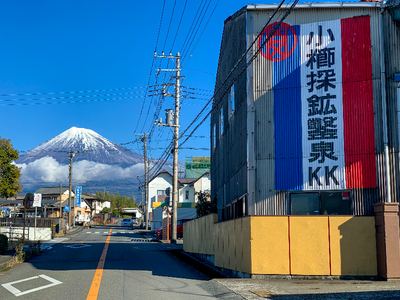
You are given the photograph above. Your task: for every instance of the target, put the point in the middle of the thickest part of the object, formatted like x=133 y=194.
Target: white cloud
x=47 y=169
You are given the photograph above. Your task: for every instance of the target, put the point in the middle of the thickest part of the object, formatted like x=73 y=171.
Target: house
x=51 y=201
x=160 y=189
x=90 y=204
x=93 y=204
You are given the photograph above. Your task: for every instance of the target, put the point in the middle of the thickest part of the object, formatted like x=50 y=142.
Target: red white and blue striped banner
x=323 y=104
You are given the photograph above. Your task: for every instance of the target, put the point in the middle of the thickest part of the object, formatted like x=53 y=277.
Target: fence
x=14 y=230
x=45 y=229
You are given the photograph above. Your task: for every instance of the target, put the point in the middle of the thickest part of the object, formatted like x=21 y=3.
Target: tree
x=205 y=207
x=105 y=210
x=9 y=173
x=118 y=203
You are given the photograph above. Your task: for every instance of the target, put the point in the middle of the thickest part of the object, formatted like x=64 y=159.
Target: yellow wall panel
x=225 y=236
x=239 y=244
x=219 y=246
x=231 y=245
x=246 y=247
x=353 y=246
x=309 y=249
x=269 y=245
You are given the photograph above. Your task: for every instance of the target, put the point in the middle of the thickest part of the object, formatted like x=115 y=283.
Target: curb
x=4 y=264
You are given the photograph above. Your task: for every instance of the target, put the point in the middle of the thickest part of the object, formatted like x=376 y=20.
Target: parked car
x=179 y=229
x=127 y=222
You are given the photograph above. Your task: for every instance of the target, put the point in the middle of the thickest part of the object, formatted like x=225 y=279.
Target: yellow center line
x=94 y=288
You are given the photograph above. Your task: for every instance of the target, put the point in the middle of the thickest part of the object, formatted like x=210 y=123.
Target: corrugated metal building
x=299 y=124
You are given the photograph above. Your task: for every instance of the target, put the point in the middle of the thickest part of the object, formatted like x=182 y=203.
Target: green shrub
x=19 y=251
x=3 y=243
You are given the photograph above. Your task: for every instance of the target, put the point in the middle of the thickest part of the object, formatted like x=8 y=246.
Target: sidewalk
x=285 y=289
x=292 y=288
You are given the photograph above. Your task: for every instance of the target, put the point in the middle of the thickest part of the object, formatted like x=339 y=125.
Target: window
x=187 y=195
x=222 y=120
x=323 y=203
x=160 y=192
x=232 y=100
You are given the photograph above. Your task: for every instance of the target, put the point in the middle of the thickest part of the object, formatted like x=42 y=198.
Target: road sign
x=37 y=200
x=66 y=208
x=78 y=193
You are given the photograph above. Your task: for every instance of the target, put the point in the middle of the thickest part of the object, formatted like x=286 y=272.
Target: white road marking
x=88 y=232
x=51 y=243
x=105 y=232
x=121 y=232
x=77 y=246
x=97 y=232
x=17 y=292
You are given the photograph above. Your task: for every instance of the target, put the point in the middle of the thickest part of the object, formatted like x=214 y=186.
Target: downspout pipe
x=384 y=105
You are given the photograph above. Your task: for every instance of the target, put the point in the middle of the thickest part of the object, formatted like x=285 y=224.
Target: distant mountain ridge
x=90 y=146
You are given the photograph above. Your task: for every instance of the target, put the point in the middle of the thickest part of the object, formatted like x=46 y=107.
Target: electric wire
x=151 y=70
x=245 y=68
x=195 y=34
x=237 y=65
x=201 y=34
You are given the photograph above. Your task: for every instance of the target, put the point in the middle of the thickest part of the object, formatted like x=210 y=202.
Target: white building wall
x=162 y=182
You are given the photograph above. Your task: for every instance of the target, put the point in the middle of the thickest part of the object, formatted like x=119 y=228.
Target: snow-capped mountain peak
x=85 y=139
x=89 y=145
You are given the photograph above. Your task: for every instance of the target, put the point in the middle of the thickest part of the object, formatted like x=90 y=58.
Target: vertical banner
x=323 y=104
x=37 y=200
x=78 y=192
x=322 y=109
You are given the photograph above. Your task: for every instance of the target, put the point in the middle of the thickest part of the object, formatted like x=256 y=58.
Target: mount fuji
x=87 y=144
x=98 y=163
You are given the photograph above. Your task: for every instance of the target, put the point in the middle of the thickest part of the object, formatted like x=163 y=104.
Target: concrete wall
x=42 y=234
x=287 y=245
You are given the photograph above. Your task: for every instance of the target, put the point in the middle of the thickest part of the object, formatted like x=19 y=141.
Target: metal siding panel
x=392 y=66
x=287 y=117
x=229 y=156
x=322 y=110
x=359 y=140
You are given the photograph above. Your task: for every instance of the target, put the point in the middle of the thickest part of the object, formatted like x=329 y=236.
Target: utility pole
x=60 y=200
x=70 y=216
x=143 y=138
x=175 y=196
x=146 y=178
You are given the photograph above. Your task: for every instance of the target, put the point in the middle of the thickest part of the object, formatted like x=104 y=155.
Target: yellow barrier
x=287 y=245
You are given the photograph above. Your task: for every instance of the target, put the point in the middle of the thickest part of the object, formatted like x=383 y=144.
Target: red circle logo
x=281 y=45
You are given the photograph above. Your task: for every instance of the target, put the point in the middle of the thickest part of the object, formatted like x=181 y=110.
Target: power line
x=151 y=69
x=201 y=34
x=237 y=65
x=73 y=92
x=70 y=97
x=197 y=30
x=68 y=102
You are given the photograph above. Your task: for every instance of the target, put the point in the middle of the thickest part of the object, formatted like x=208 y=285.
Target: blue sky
x=72 y=48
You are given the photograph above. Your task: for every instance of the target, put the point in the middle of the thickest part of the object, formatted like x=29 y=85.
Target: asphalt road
x=108 y=262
